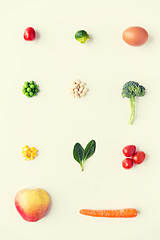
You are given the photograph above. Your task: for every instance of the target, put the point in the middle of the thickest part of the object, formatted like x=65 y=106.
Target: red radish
x=127 y=163
x=29 y=34
x=129 y=150
x=138 y=157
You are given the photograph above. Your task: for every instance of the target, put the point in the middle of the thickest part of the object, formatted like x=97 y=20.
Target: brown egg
x=135 y=36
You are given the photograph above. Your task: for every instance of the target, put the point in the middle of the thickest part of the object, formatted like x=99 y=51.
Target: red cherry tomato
x=127 y=163
x=129 y=150
x=29 y=34
x=138 y=157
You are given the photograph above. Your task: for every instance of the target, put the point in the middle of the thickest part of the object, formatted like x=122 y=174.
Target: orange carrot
x=123 y=213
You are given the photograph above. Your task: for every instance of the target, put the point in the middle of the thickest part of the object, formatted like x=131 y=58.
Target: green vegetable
x=26 y=84
x=81 y=36
x=30 y=89
x=131 y=90
x=81 y=155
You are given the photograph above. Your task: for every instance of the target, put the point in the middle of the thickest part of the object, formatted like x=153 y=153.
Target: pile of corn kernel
x=29 y=153
x=78 y=89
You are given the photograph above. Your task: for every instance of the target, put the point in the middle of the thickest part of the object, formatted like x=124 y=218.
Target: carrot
x=123 y=213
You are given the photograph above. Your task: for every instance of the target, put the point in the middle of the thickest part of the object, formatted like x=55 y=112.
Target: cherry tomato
x=138 y=157
x=129 y=150
x=29 y=34
x=127 y=163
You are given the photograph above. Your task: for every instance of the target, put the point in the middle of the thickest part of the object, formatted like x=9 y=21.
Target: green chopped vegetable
x=36 y=90
x=131 y=90
x=30 y=89
x=26 y=84
x=81 y=155
x=81 y=36
x=32 y=86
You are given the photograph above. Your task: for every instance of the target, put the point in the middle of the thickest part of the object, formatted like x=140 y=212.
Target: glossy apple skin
x=135 y=36
x=32 y=204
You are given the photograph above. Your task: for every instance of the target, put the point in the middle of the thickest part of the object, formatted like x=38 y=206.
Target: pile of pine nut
x=78 y=89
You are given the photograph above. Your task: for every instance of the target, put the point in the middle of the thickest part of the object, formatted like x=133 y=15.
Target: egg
x=135 y=36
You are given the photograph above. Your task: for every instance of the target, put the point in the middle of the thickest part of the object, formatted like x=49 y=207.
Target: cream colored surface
x=54 y=121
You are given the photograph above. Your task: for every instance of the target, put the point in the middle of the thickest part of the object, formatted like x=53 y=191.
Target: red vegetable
x=123 y=213
x=127 y=163
x=29 y=34
x=138 y=157
x=129 y=150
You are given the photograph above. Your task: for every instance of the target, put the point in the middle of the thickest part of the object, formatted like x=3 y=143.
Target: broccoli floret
x=81 y=36
x=131 y=90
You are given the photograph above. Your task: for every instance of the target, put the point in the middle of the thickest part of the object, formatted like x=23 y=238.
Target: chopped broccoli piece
x=81 y=36
x=131 y=90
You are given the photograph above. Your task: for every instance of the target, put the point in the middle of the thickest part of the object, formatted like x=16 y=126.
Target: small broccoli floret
x=81 y=36
x=131 y=90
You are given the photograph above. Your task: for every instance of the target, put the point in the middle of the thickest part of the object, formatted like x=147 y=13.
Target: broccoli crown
x=81 y=36
x=132 y=89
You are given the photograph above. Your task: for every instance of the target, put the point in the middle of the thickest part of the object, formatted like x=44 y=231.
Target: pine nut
x=82 y=84
x=81 y=89
x=85 y=90
x=78 y=81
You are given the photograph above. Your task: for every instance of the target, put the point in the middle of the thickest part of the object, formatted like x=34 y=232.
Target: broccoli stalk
x=131 y=90
x=132 y=104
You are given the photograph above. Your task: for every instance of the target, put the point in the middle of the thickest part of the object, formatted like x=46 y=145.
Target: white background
x=53 y=121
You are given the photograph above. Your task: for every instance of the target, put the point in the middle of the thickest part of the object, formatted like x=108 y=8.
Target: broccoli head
x=81 y=36
x=131 y=90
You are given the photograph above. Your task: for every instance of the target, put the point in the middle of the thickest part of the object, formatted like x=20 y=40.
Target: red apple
x=32 y=204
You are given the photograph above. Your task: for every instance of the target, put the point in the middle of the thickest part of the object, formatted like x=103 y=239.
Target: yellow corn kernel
x=29 y=153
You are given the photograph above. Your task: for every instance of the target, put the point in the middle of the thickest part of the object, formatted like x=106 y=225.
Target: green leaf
x=78 y=152
x=89 y=150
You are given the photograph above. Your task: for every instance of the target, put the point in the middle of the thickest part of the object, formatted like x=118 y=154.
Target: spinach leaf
x=81 y=155
x=89 y=150
x=78 y=152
